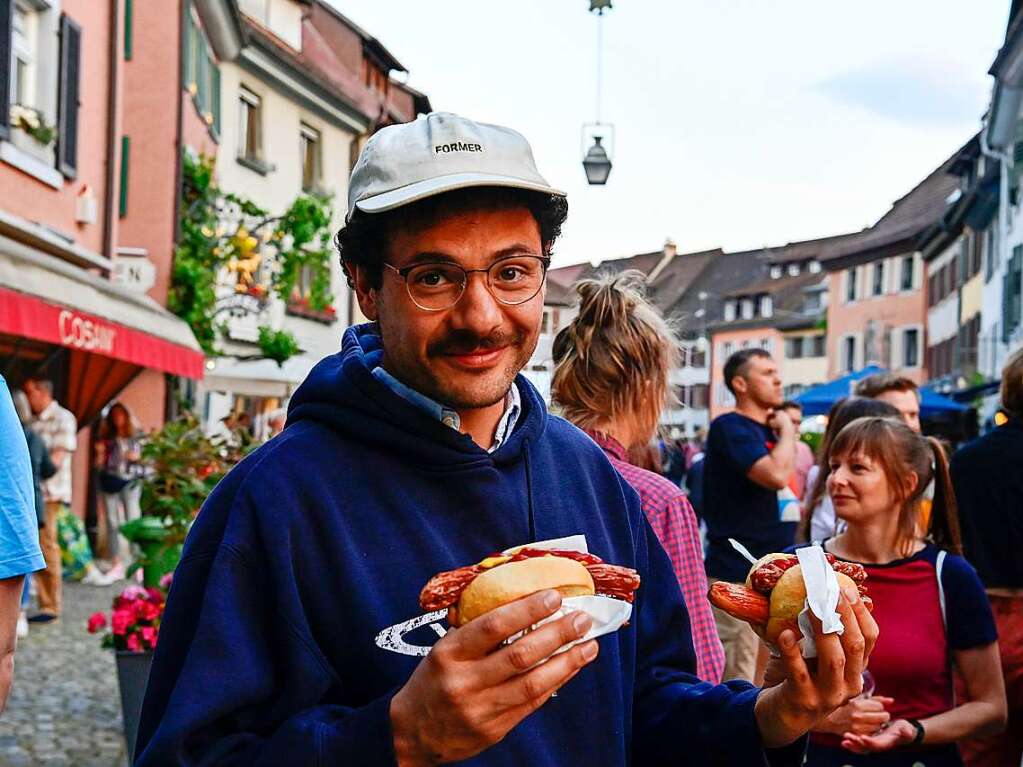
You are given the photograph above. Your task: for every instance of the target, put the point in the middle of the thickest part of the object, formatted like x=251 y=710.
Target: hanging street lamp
x=596 y=160
x=596 y=163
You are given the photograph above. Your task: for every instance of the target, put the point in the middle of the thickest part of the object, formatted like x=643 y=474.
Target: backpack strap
x=938 y=564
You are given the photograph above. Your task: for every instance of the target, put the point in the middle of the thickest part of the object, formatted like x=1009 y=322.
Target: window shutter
x=215 y=97
x=67 y=117
x=6 y=19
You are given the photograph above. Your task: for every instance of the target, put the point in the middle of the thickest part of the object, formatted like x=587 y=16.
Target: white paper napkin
x=821 y=597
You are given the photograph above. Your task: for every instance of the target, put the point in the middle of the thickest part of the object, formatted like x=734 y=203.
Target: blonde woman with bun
x=611 y=380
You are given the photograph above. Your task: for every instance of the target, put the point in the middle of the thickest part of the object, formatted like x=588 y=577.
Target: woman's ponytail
x=943 y=528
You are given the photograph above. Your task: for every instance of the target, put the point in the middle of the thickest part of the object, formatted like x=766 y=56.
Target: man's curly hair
x=362 y=242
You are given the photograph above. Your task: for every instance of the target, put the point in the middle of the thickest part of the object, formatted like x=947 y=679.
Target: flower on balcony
x=31 y=121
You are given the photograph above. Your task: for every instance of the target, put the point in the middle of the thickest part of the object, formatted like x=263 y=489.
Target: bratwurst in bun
x=471 y=591
x=775 y=593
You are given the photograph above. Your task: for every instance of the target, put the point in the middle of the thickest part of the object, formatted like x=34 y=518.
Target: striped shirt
x=674 y=523
x=59 y=431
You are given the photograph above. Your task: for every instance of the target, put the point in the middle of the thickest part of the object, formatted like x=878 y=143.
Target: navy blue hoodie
x=294 y=613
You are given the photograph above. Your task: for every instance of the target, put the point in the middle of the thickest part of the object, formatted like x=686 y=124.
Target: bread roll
x=508 y=582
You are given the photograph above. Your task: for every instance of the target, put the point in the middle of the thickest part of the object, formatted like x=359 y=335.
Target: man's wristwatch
x=918 y=739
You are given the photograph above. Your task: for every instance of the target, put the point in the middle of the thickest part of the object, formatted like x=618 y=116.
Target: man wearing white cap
x=296 y=633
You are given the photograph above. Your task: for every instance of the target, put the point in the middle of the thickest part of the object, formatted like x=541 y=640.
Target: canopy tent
x=100 y=335
x=819 y=399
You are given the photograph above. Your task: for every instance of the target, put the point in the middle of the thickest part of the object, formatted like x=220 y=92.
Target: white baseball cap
x=436 y=153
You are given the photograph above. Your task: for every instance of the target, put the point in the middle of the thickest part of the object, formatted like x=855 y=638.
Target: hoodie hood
x=342 y=393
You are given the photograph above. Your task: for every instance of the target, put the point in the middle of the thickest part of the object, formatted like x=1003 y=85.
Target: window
x=973 y=262
x=250 y=133
x=745 y=344
x=1012 y=304
x=23 y=47
x=747 y=308
x=202 y=75
x=814 y=266
x=794 y=269
x=727 y=349
x=849 y=354
x=878 y=278
x=794 y=347
x=775 y=271
x=545 y=322
x=812 y=302
x=698 y=396
x=766 y=306
x=766 y=344
x=911 y=348
x=309 y=139
x=729 y=311
x=819 y=346
x=697 y=358
x=851 y=276
x=906 y=277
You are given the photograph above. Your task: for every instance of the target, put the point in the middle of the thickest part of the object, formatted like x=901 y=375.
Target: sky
x=737 y=123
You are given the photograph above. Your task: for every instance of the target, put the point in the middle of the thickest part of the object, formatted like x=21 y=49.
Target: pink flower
x=134 y=591
x=149 y=636
x=120 y=621
x=155 y=595
x=96 y=622
x=165 y=581
x=133 y=643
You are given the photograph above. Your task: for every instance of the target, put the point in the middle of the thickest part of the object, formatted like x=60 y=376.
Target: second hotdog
x=774 y=593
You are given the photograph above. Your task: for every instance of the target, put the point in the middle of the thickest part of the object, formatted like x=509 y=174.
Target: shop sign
x=81 y=333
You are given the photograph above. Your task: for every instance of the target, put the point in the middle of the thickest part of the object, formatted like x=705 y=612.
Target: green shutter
x=202 y=79
x=125 y=155
x=128 y=21
x=215 y=97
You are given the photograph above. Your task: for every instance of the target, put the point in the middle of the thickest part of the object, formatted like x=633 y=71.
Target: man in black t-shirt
x=750 y=464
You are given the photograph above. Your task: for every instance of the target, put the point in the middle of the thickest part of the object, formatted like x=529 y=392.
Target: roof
x=722 y=273
x=374 y=46
x=897 y=230
x=334 y=82
x=787 y=295
x=805 y=250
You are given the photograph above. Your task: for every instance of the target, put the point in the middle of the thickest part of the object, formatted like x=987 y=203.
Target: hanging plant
x=31 y=121
x=222 y=231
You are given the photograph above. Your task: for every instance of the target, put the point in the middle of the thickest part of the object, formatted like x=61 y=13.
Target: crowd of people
x=937 y=544
x=419 y=449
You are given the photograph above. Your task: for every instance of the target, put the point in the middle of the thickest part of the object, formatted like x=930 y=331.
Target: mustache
x=466 y=341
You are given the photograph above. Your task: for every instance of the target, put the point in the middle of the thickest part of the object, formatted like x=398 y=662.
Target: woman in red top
x=928 y=603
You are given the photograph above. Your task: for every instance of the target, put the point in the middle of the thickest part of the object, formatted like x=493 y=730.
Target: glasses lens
x=516 y=280
x=435 y=286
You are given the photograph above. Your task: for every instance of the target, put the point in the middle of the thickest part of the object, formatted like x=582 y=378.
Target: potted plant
x=134 y=623
x=182 y=466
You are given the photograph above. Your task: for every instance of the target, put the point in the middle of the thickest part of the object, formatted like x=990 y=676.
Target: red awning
x=32 y=317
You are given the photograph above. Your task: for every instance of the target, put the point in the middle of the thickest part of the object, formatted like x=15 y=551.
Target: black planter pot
x=132 y=676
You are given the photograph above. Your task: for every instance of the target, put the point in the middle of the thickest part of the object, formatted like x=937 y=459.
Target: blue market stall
x=941 y=416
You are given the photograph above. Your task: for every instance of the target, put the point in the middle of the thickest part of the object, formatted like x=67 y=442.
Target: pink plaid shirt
x=673 y=521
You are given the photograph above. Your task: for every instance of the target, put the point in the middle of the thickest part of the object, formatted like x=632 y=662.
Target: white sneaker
x=94 y=576
x=115 y=573
x=22 y=630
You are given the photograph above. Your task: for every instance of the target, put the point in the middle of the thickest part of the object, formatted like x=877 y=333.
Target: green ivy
x=206 y=245
x=277 y=345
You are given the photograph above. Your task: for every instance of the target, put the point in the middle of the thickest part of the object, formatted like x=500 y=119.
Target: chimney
x=670 y=250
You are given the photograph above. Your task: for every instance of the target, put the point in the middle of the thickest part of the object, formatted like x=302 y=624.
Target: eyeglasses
x=434 y=287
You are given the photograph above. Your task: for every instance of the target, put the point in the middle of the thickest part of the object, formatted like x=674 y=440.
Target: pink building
x=92 y=128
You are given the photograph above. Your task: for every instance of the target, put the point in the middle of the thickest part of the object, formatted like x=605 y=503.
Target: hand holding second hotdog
x=802 y=700
x=469 y=692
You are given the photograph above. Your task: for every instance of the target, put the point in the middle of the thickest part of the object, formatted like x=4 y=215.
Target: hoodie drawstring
x=529 y=490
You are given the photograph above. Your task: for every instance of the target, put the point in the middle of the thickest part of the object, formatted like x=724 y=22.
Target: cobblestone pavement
x=65 y=707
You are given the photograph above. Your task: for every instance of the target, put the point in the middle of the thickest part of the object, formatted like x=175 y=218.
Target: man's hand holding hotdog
x=469 y=692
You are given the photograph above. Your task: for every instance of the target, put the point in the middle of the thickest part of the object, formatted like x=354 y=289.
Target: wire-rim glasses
x=436 y=286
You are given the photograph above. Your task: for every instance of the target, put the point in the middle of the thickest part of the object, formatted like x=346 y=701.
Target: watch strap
x=919 y=738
